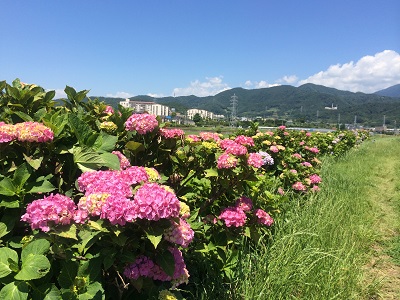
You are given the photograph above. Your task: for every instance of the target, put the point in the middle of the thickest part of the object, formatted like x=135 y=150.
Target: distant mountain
x=392 y=91
x=308 y=102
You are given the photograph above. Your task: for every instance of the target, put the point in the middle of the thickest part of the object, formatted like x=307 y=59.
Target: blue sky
x=161 y=48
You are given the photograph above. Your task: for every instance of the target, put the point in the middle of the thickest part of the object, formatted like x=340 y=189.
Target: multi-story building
x=149 y=107
x=204 y=114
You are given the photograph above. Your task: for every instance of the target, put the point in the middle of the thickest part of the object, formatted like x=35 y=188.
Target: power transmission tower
x=234 y=102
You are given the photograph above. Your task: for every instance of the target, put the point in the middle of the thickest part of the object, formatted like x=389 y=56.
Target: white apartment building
x=149 y=107
x=203 y=113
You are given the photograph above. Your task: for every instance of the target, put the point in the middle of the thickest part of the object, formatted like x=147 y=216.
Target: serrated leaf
x=33 y=267
x=34 y=163
x=110 y=160
x=68 y=274
x=10 y=204
x=5 y=255
x=94 y=291
x=16 y=290
x=107 y=142
x=39 y=246
x=68 y=232
x=134 y=146
x=7 y=187
x=47 y=291
x=41 y=187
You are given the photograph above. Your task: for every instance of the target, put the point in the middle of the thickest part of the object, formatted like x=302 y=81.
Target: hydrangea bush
x=100 y=203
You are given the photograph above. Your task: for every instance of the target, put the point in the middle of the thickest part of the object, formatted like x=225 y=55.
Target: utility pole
x=234 y=102
x=355 y=121
x=338 y=121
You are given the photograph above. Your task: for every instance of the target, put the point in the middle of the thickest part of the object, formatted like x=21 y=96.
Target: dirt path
x=385 y=196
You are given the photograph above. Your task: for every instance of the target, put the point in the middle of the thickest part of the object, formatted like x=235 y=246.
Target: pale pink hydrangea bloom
x=283 y=127
x=263 y=217
x=298 y=186
x=308 y=134
x=142 y=123
x=180 y=234
x=206 y=136
x=302 y=143
x=33 y=132
x=123 y=161
x=154 y=202
x=233 y=216
x=226 y=161
x=171 y=133
x=192 y=138
x=281 y=191
x=312 y=149
x=49 y=211
x=244 y=140
x=244 y=203
x=255 y=160
x=293 y=171
x=286 y=133
x=306 y=164
x=109 y=110
x=314 y=178
x=297 y=155
x=274 y=149
x=7 y=132
x=315 y=188
x=267 y=158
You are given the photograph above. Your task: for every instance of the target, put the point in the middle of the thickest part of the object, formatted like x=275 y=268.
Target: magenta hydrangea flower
x=255 y=160
x=244 y=203
x=7 y=132
x=192 y=138
x=52 y=210
x=145 y=267
x=171 y=133
x=314 y=178
x=134 y=175
x=123 y=161
x=154 y=202
x=232 y=147
x=226 y=161
x=142 y=123
x=263 y=217
x=233 y=216
x=244 y=140
x=33 y=132
x=298 y=186
x=180 y=234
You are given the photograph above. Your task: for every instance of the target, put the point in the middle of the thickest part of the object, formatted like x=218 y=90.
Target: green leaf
x=21 y=175
x=107 y=142
x=46 y=291
x=34 y=163
x=23 y=116
x=70 y=91
x=34 y=266
x=39 y=246
x=68 y=232
x=167 y=262
x=10 y=204
x=7 y=187
x=86 y=159
x=211 y=173
x=94 y=291
x=134 y=146
x=8 y=221
x=91 y=269
x=13 y=92
x=5 y=255
x=110 y=160
x=68 y=273
x=41 y=187
x=17 y=290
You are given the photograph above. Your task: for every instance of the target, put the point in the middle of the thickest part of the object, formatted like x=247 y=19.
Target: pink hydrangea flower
x=297 y=155
x=293 y=171
x=207 y=136
x=232 y=147
x=274 y=149
x=255 y=160
x=154 y=202
x=52 y=210
x=171 y=133
x=226 y=161
x=283 y=127
x=192 y=138
x=142 y=123
x=313 y=150
x=244 y=203
x=134 y=175
x=306 y=164
x=298 y=186
x=281 y=191
x=180 y=234
x=7 y=132
x=263 y=217
x=33 y=132
x=233 y=216
x=267 y=158
x=314 y=178
x=108 y=110
x=244 y=140
x=123 y=161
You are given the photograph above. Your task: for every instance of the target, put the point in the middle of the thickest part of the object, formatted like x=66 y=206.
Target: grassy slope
x=325 y=248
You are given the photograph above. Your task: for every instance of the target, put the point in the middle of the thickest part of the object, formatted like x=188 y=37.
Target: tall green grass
x=320 y=247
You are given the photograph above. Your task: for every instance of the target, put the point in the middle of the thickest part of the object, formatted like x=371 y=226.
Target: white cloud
x=120 y=95
x=59 y=94
x=156 y=95
x=259 y=84
x=210 y=87
x=368 y=75
x=291 y=79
